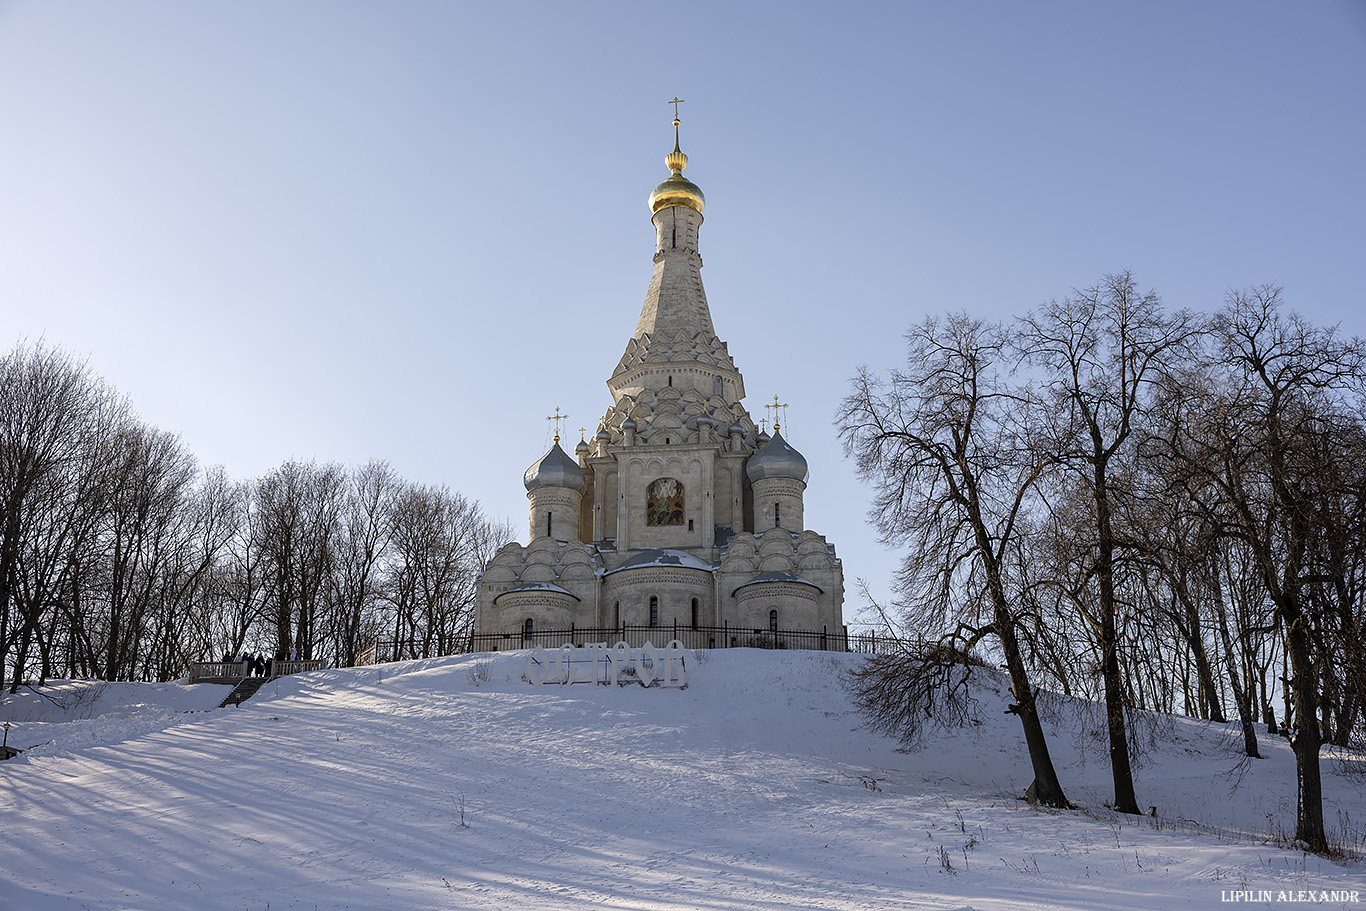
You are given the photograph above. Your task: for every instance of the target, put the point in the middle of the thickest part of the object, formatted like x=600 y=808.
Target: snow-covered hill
x=422 y=786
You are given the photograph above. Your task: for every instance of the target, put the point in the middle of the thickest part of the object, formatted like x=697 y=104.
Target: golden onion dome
x=677 y=190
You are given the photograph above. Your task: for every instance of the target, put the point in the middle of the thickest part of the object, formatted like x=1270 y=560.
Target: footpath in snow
x=453 y=783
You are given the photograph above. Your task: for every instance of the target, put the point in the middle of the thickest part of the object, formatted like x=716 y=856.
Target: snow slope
x=421 y=786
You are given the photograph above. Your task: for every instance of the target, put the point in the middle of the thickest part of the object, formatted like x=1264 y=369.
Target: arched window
x=773 y=620
x=694 y=613
x=527 y=627
x=654 y=611
x=664 y=502
x=547 y=523
x=777 y=514
x=616 y=613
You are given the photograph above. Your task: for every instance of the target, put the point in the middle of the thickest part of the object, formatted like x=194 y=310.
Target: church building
x=680 y=512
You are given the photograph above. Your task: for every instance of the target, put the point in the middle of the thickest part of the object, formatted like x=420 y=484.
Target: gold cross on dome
x=676 y=102
x=776 y=414
x=557 y=417
x=582 y=431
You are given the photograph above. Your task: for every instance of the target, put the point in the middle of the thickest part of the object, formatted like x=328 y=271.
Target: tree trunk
x=1242 y=699
x=1195 y=638
x=1307 y=739
x=1120 y=768
x=1047 y=789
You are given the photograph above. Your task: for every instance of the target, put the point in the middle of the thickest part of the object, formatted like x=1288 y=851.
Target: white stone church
x=680 y=512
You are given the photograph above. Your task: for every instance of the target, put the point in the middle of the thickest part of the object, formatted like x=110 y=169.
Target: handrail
x=237 y=670
x=200 y=670
x=284 y=668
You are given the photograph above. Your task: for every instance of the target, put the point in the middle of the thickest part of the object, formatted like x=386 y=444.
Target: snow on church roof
x=663 y=557
x=778 y=577
x=538 y=587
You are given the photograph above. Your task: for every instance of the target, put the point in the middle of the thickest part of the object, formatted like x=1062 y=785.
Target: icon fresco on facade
x=664 y=503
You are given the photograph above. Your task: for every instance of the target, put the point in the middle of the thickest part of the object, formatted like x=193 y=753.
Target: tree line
x=122 y=559
x=1153 y=509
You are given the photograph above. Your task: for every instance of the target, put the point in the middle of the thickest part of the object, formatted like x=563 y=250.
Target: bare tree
x=363 y=540
x=147 y=489
x=440 y=543
x=944 y=445
x=51 y=408
x=1187 y=538
x=1283 y=413
x=299 y=504
x=1101 y=349
x=120 y=559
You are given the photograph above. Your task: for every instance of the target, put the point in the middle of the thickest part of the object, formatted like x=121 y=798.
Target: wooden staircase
x=243 y=691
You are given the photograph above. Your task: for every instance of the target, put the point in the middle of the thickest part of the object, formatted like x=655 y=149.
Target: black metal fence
x=725 y=636
x=694 y=637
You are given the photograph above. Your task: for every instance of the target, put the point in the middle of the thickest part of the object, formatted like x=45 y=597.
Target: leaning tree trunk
x=1195 y=640
x=1241 y=698
x=1046 y=789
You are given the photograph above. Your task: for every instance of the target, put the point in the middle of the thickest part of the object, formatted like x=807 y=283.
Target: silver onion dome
x=554 y=469
x=777 y=460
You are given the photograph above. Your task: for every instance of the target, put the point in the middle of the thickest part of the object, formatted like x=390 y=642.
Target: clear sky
x=410 y=230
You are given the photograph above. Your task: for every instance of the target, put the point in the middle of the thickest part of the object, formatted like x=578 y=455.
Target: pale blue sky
x=410 y=230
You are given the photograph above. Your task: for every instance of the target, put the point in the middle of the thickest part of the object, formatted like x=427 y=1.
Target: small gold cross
x=776 y=414
x=676 y=102
x=557 y=417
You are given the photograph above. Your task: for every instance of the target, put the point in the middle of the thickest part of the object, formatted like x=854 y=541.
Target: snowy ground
x=420 y=786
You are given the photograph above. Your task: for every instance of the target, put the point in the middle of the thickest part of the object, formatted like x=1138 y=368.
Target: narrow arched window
x=528 y=626
x=777 y=514
x=547 y=524
x=694 y=613
x=654 y=611
x=773 y=620
x=616 y=613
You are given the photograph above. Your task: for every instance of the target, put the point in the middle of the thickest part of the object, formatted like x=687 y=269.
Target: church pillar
x=625 y=482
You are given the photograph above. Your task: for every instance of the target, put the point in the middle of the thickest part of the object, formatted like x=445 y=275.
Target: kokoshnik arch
x=680 y=510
